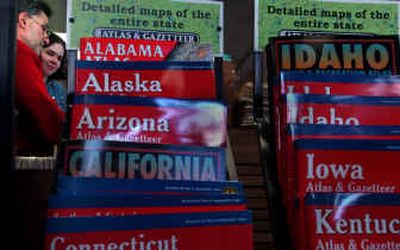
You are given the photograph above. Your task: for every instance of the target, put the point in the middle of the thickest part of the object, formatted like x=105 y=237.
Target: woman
x=53 y=58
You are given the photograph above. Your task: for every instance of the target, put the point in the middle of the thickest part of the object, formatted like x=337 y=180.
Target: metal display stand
x=280 y=228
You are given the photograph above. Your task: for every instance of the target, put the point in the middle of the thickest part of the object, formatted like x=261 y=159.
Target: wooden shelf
x=246 y=154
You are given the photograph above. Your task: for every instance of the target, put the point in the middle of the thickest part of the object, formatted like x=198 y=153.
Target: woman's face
x=51 y=58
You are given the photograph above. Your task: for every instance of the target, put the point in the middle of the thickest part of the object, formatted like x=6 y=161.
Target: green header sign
x=288 y=17
x=182 y=20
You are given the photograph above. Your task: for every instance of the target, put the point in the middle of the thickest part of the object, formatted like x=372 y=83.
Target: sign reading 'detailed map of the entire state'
x=168 y=20
x=285 y=18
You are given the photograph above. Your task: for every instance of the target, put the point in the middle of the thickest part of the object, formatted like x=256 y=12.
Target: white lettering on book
x=329 y=245
x=120 y=49
x=135 y=243
x=318 y=187
x=305 y=89
x=376 y=244
x=325 y=224
x=145 y=166
x=105 y=84
x=338 y=171
x=330 y=118
x=121 y=123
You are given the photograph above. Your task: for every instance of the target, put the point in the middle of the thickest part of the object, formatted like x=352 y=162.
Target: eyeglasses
x=45 y=28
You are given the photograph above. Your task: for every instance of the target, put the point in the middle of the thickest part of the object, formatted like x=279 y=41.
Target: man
x=39 y=122
x=39 y=119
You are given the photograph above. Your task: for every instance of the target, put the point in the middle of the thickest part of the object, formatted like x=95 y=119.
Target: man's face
x=36 y=30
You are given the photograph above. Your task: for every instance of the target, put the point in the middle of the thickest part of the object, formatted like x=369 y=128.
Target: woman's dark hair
x=61 y=72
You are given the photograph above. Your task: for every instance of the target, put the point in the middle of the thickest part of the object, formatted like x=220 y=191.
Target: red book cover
x=335 y=84
x=352 y=221
x=339 y=110
x=327 y=56
x=347 y=166
x=334 y=110
x=118 y=49
x=188 y=80
x=154 y=121
x=195 y=231
x=344 y=166
x=325 y=132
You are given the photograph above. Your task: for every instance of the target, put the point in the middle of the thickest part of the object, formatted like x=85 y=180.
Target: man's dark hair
x=36 y=8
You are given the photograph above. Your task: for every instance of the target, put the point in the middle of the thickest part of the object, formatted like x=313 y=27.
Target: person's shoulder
x=26 y=54
x=54 y=81
x=56 y=84
x=24 y=48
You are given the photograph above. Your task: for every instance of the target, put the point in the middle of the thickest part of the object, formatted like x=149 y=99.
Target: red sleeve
x=32 y=97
